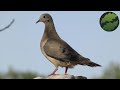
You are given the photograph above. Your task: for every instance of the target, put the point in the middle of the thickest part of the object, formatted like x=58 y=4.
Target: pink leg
x=53 y=73
x=66 y=68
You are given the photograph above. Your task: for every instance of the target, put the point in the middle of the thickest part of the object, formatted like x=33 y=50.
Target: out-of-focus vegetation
x=15 y=74
x=111 y=72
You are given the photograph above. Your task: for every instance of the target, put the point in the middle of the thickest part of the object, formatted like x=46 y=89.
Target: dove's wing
x=60 y=50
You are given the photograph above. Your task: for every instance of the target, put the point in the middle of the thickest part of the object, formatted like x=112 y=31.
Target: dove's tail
x=88 y=62
x=92 y=64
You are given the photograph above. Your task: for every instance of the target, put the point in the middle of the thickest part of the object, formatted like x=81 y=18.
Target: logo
x=109 y=21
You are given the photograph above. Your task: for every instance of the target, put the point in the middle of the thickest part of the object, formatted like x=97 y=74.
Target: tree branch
x=7 y=25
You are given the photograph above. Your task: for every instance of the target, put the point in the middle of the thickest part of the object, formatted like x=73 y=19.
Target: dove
x=56 y=50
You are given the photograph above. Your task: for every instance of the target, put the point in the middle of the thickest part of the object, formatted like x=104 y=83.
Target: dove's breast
x=52 y=60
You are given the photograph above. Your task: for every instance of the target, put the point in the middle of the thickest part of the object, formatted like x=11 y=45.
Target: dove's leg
x=53 y=73
x=66 y=68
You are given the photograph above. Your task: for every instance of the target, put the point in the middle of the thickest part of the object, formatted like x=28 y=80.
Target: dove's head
x=45 y=18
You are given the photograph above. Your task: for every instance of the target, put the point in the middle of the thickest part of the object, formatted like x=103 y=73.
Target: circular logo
x=109 y=21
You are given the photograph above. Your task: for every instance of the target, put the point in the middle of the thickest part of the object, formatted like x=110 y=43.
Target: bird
x=58 y=51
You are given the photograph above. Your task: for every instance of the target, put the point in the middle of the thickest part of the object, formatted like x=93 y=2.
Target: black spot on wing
x=63 y=50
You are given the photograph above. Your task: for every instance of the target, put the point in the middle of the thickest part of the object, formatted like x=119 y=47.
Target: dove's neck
x=50 y=31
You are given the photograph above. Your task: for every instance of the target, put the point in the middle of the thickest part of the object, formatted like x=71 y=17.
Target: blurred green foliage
x=15 y=74
x=111 y=72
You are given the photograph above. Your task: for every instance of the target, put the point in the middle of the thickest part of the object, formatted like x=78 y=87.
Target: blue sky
x=20 y=44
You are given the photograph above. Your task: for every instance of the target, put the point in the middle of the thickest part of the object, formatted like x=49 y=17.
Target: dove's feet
x=53 y=73
x=65 y=74
x=66 y=69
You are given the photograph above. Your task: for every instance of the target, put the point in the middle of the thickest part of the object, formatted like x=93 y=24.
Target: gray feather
x=60 y=50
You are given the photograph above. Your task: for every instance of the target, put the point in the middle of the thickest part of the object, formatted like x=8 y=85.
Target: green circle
x=109 y=21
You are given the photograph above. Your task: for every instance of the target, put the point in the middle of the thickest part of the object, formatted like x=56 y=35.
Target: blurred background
x=21 y=57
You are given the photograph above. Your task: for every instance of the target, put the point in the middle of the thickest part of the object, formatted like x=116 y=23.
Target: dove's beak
x=38 y=21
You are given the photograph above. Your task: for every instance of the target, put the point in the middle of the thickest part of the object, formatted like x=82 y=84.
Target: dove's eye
x=43 y=16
